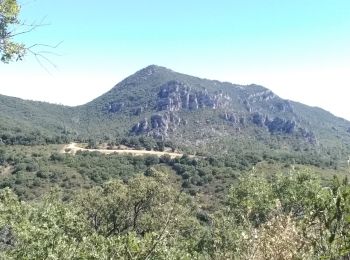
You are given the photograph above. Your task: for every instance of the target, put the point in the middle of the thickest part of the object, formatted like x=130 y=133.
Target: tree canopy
x=10 y=50
x=290 y=216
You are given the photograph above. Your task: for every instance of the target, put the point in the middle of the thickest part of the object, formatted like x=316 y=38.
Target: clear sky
x=300 y=49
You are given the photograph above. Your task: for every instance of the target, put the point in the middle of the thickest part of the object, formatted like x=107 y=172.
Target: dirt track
x=72 y=148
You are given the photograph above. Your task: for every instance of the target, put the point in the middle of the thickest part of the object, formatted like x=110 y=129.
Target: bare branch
x=11 y=27
x=41 y=56
x=45 y=45
x=31 y=27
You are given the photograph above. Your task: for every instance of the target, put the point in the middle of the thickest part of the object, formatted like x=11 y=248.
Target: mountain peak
x=146 y=73
x=154 y=66
x=152 y=69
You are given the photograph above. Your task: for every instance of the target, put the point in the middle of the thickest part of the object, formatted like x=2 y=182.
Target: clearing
x=72 y=148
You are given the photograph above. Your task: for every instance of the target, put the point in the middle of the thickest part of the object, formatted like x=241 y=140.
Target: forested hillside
x=157 y=107
x=258 y=177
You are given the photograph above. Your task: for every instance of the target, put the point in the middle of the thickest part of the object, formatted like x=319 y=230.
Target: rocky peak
x=141 y=76
x=151 y=69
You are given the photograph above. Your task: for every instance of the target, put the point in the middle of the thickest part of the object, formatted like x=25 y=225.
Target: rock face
x=261 y=108
x=141 y=127
x=284 y=106
x=254 y=101
x=114 y=107
x=230 y=117
x=159 y=126
x=264 y=95
x=175 y=96
x=279 y=125
x=275 y=125
x=158 y=121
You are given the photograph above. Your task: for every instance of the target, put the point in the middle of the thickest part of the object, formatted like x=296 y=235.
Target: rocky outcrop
x=158 y=121
x=283 y=106
x=230 y=117
x=247 y=105
x=114 y=107
x=264 y=95
x=234 y=119
x=141 y=127
x=253 y=102
x=279 y=125
x=275 y=125
x=175 y=96
x=263 y=109
x=159 y=125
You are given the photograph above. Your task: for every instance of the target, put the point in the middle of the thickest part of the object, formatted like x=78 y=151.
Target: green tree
x=9 y=49
x=145 y=218
x=252 y=199
x=297 y=192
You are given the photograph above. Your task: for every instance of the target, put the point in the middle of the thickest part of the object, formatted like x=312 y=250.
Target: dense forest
x=96 y=206
x=284 y=216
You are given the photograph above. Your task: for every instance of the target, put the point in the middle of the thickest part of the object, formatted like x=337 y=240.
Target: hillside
x=32 y=122
x=222 y=171
x=189 y=113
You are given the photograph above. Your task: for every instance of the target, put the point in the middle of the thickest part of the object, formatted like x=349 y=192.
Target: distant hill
x=191 y=114
x=31 y=122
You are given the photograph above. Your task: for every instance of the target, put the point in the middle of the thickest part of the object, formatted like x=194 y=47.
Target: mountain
x=191 y=114
x=259 y=166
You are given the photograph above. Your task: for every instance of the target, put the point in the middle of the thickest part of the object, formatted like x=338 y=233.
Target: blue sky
x=299 y=49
